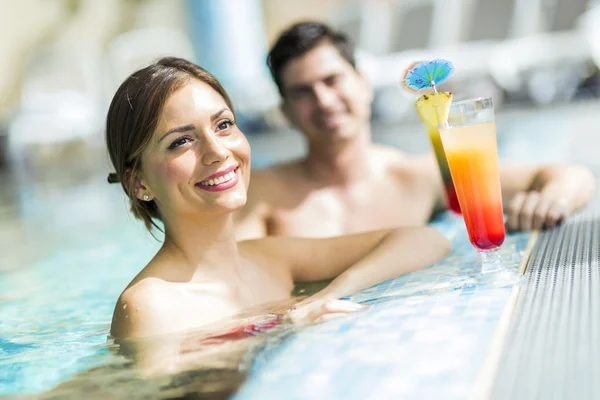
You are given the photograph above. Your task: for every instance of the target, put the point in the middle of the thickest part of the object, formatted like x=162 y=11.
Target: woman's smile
x=222 y=180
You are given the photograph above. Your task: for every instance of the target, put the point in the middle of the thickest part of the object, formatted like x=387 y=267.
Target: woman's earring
x=146 y=197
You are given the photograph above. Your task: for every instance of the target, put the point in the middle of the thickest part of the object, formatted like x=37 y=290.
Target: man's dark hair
x=299 y=39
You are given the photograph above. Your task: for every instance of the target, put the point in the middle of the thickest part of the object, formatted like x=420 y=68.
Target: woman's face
x=197 y=159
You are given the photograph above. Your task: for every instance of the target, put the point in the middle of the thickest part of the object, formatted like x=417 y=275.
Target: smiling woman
x=181 y=159
x=165 y=140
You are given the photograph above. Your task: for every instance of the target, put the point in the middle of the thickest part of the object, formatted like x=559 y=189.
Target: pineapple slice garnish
x=433 y=108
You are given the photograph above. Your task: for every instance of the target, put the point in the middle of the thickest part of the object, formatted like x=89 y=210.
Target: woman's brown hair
x=133 y=116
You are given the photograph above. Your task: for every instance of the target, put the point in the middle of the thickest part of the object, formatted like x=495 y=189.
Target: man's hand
x=535 y=210
x=539 y=197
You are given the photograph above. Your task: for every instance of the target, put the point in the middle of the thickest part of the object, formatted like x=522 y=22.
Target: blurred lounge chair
x=532 y=47
x=589 y=26
x=547 y=56
x=135 y=49
x=393 y=35
x=60 y=98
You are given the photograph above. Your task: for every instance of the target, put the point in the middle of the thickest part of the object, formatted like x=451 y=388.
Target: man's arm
x=540 y=196
x=430 y=167
x=251 y=220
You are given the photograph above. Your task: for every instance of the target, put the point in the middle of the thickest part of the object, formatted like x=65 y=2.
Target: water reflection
x=208 y=363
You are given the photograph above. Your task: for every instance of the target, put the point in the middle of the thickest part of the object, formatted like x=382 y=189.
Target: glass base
x=491 y=262
x=493 y=272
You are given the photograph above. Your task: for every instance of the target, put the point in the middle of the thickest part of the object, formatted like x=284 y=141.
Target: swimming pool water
x=56 y=313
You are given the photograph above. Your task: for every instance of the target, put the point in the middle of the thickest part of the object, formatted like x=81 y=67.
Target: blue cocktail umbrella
x=427 y=74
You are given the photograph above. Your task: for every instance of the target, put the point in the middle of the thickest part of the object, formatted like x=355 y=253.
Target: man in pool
x=347 y=184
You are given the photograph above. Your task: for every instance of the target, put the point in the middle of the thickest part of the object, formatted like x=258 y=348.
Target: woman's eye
x=225 y=124
x=179 y=142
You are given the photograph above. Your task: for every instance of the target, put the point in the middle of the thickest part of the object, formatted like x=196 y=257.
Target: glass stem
x=490 y=261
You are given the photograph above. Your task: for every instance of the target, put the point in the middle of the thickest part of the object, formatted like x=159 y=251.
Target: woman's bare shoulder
x=141 y=309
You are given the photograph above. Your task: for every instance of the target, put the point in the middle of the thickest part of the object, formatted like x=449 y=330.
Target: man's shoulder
x=390 y=155
x=398 y=161
x=279 y=170
x=275 y=177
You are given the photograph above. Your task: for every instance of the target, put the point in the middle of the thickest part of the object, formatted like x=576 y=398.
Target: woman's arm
x=357 y=261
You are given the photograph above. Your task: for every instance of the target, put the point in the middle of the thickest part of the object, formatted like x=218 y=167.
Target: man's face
x=325 y=96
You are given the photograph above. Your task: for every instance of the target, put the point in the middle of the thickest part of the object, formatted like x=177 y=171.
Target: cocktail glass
x=449 y=190
x=469 y=139
x=433 y=109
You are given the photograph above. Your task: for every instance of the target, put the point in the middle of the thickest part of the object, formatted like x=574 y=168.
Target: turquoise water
x=56 y=313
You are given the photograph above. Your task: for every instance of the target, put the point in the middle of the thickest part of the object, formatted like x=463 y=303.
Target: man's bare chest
x=331 y=213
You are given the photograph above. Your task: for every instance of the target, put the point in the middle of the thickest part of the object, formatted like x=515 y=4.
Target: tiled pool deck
x=424 y=336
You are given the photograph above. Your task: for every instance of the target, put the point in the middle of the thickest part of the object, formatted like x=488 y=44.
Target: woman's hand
x=317 y=310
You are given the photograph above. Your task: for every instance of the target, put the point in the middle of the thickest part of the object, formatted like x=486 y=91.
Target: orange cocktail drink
x=469 y=140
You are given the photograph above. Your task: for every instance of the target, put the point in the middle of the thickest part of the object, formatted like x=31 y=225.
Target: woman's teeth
x=224 y=178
